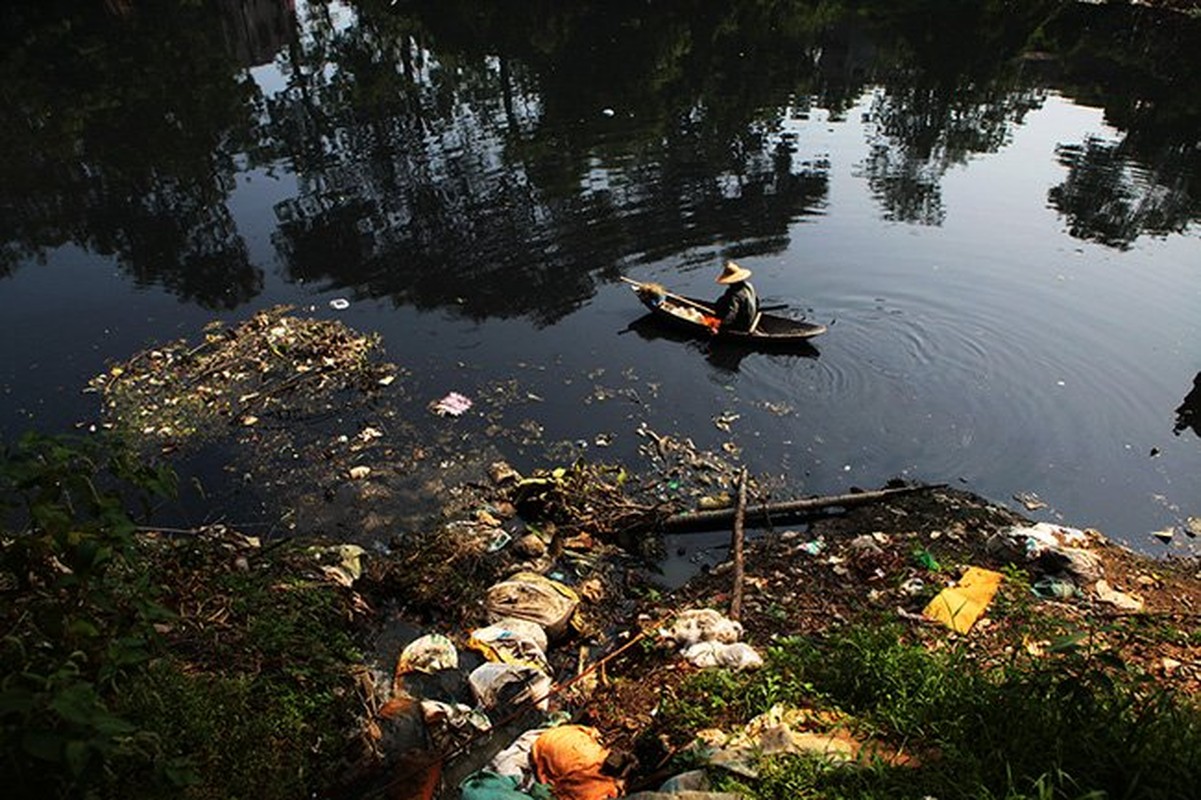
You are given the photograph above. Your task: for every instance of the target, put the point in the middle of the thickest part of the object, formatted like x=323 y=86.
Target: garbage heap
x=486 y=718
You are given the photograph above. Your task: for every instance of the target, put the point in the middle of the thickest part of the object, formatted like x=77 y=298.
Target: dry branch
x=689 y=521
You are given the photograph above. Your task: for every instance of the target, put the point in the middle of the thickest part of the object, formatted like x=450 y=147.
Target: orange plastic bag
x=570 y=758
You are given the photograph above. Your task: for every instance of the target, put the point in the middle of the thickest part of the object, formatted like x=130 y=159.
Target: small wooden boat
x=696 y=316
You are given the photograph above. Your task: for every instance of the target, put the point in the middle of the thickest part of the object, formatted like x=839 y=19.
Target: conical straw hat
x=732 y=273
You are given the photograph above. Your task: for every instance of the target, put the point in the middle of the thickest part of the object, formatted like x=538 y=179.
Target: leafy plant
x=78 y=618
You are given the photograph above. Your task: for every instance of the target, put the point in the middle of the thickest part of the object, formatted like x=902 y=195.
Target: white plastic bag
x=536 y=598
x=735 y=656
x=702 y=625
x=429 y=654
x=497 y=685
x=512 y=641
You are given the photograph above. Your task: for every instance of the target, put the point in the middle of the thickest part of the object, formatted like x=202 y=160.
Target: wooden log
x=736 y=547
x=688 y=521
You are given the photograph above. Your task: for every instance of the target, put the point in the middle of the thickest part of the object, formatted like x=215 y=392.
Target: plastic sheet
x=485 y=785
x=447 y=723
x=515 y=760
x=958 y=607
x=512 y=641
x=571 y=759
x=507 y=686
x=428 y=654
x=702 y=625
x=735 y=656
x=536 y=598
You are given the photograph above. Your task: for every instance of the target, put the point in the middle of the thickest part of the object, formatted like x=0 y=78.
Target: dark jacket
x=738 y=307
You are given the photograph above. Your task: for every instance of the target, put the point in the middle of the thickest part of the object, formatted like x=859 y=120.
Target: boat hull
x=687 y=314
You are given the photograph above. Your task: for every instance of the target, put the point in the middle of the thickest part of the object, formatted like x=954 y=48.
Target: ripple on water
x=949 y=388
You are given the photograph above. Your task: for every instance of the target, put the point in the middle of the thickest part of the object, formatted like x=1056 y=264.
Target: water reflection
x=1109 y=197
x=724 y=355
x=256 y=30
x=496 y=190
x=121 y=136
x=921 y=132
x=498 y=161
x=1131 y=61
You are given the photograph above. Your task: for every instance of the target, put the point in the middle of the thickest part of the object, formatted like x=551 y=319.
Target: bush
x=147 y=666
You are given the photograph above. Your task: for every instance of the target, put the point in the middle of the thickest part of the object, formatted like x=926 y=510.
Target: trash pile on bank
x=496 y=692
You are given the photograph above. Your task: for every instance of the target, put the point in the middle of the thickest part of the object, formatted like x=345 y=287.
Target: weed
x=141 y=662
x=1075 y=724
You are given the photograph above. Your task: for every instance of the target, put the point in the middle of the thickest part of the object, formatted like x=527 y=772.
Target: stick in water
x=736 y=547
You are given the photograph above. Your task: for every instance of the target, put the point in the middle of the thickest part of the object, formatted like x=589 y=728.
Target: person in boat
x=738 y=308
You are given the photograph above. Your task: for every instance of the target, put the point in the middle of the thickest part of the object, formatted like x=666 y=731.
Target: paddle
x=672 y=295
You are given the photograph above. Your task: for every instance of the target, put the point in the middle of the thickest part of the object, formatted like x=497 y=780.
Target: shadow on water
x=725 y=356
x=1188 y=415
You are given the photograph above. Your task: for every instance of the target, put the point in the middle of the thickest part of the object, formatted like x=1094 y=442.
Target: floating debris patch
x=271 y=366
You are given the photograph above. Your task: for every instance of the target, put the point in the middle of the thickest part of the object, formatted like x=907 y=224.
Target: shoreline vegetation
x=141 y=661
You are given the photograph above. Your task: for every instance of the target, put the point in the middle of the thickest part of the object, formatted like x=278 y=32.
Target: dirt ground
x=869 y=567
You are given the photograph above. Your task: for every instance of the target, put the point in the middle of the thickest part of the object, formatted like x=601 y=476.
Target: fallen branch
x=689 y=521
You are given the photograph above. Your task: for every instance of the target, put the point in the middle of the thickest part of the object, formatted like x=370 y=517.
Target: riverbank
x=289 y=650
x=924 y=641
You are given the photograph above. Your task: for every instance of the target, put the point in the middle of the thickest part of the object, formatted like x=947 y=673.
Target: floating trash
x=339 y=304
x=1030 y=500
x=453 y=405
x=723 y=421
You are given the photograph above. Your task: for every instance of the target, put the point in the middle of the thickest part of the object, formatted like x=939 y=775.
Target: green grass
x=214 y=737
x=142 y=667
x=1074 y=725
x=257 y=705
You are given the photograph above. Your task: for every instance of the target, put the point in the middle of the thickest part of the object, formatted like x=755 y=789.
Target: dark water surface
x=998 y=213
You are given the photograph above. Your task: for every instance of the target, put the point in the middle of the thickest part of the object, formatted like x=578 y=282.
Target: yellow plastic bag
x=512 y=641
x=958 y=607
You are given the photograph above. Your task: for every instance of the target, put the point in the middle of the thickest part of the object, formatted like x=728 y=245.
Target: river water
x=998 y=217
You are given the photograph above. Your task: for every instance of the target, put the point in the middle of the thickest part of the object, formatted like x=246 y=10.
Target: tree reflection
x=921 y=132
x=497 y=159
x=1110 y=198
x=1131 y=61
x=497 y=185
x=121 y=140
x=946 y=94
